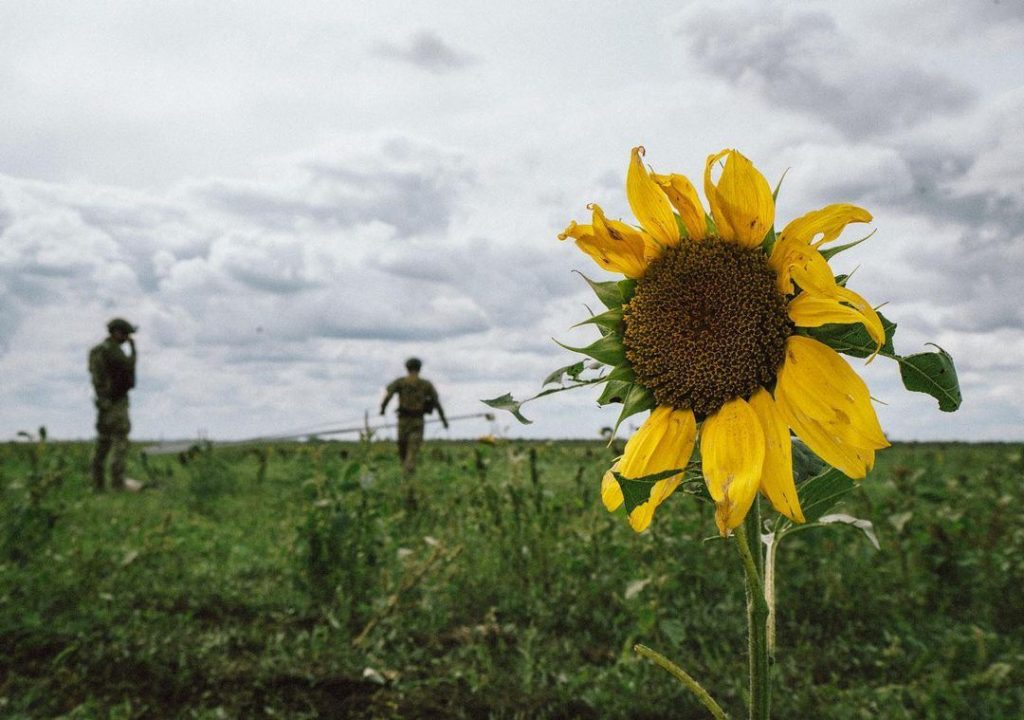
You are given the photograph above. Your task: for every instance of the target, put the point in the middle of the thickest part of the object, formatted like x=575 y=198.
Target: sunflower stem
x=685 y=678
x=748 y=542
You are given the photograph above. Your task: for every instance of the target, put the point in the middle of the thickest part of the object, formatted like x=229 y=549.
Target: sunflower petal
x=741 y=202
x=828 y=405
x=683 y=196
x=777 y=472
x=810 y=310
x=829 y=221
x=649 y=204
x=614 y=246
x=793 y=260
x=664 y=442
x=611 y=493
x=732 y=448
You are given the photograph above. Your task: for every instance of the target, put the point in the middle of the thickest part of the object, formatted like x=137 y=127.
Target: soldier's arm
x=387 y=398
x=437 y=404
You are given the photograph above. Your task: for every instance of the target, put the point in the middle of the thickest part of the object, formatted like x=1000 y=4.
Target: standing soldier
x=113 y=375
x=416 y=398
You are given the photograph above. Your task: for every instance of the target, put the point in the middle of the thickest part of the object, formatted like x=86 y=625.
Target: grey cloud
x=428 y=51
x=410 y=187
x=801 y=59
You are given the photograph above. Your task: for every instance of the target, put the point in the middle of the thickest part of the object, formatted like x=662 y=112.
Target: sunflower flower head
x=720 y=330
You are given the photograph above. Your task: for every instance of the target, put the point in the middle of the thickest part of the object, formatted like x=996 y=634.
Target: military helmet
x=122 y=325
x=413 y=364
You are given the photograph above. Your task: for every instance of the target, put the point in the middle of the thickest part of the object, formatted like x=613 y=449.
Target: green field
x=310 y=580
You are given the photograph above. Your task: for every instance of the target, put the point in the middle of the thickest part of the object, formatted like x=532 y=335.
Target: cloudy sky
x=291 y=198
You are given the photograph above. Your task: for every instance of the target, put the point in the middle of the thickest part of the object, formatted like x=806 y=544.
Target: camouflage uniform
x=113 y=375
x=416 y=398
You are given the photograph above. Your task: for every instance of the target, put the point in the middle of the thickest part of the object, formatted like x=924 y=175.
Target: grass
x=310 y=580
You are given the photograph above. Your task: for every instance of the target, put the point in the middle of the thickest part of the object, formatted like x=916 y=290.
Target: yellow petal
x=822 y=439
x=829 y=222
x=793 y=260
x=732 y=451
x=663 y=442
x=611 y=493
x=828 y=405
x=613 y=245
x=683 y=196
x=741 y=202
x=777 y=472
x=810 y=310
x=649 y=204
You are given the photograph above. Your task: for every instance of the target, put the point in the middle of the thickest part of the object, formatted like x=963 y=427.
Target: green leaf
x=507 y=402
x=932 y=373
x=638 y=398
x=627 y=288
x=821 y=493
x=637 y=491
x=865 y=526
x=607 y=349
x=608 y=292
x=608 y=322
x=827 y=253
x=614 y=392
x=805 y=463
x=570 y=371
x=853 y=339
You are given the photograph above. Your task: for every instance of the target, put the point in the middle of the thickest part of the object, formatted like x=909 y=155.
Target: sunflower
x=713 y=331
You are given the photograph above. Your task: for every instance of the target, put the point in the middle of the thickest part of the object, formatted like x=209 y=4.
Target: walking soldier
x=416 y=398
x=113 y=375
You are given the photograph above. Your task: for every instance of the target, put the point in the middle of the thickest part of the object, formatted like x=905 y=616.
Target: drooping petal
x=794 y=260
x=664 y=442
x=611 y=493
x=649 y=204
x=828 y=406
x=683 y=196
x=732 y=449
x=613 y=245
x=822 y=439
x=829 y=221
x=777 y=472
x=810 y=310
x=741 y=202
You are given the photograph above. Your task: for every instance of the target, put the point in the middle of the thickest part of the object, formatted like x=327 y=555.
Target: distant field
x=309 y=580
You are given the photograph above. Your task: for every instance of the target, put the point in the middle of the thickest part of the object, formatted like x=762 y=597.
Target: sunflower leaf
x=865 y=526
x=932 y=373
x=627 y=288
x=609 y=322
x=607 y=349
x=637 y=399
x=821 y=493
x=620 y=380
x=571 y=372
x=609 y=293
x=637 y=491
x=828 y=253
x=507 y=402
x=853 y=339
x=805 y=463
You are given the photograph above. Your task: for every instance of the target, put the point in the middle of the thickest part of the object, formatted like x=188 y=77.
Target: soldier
x=416 y=398
x=113 y=375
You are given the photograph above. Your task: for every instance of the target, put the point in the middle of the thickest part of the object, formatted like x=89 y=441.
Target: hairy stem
x=682 y=676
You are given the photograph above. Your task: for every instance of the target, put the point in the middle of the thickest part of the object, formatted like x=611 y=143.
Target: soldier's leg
x=403 y=439
x=117 y=461
x=99 y=458
x=120 y=426
x=412 y=451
